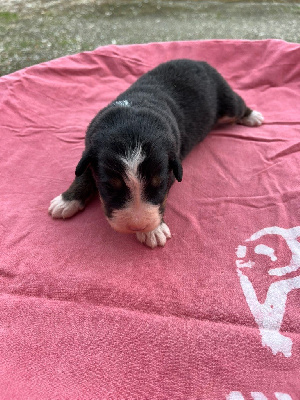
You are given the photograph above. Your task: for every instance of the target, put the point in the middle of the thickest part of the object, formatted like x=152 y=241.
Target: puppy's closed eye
x=156 y=181
x=114 y=184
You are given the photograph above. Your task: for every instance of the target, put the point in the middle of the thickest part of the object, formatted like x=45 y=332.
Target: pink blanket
x=87 y=313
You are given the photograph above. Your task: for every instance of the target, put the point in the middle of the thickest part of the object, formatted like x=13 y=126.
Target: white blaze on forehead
x=132 y=160
x=133 y=181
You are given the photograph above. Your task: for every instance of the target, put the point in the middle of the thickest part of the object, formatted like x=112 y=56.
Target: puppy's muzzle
x=131 y=220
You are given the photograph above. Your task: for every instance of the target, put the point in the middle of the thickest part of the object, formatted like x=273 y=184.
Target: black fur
x=167 y=111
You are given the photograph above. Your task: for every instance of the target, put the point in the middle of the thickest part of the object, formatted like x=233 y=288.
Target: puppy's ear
x=176 y=167
x=85 y=161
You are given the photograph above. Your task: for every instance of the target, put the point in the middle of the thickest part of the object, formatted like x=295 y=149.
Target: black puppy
x=134 y=146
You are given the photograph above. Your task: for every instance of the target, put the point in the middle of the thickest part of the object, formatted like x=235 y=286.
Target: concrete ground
x=32 y=31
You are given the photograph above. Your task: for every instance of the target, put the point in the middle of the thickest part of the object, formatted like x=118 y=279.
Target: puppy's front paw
x=253 y=119
x=60 y=208
x=157 y=237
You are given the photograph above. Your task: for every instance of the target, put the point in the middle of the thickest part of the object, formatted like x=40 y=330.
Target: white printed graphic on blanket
x=269 y=315
x=257 y=396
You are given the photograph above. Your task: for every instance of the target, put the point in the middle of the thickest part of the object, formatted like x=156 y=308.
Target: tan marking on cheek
x=102 y=204
x=165 y=200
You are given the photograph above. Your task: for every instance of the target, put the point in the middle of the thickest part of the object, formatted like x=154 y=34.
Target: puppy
x=135 y=145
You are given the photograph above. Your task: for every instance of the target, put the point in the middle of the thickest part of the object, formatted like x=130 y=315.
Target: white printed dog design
x=269 y=315
x=257 y=396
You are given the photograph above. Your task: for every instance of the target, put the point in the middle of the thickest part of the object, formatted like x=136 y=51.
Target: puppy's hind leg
x=233 y=108
x=251 y=118
x=75 y=198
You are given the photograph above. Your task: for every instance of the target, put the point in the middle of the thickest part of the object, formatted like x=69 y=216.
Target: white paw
x=157 y=237
x=254 y=119
x=60 y=208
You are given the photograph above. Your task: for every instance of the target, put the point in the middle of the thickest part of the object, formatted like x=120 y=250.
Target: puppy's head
x=133 y=182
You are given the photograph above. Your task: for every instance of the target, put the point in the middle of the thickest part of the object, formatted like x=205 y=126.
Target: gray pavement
x=33 y=31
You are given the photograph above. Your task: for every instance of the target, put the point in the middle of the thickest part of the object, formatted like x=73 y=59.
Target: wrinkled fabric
x=88 y=313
